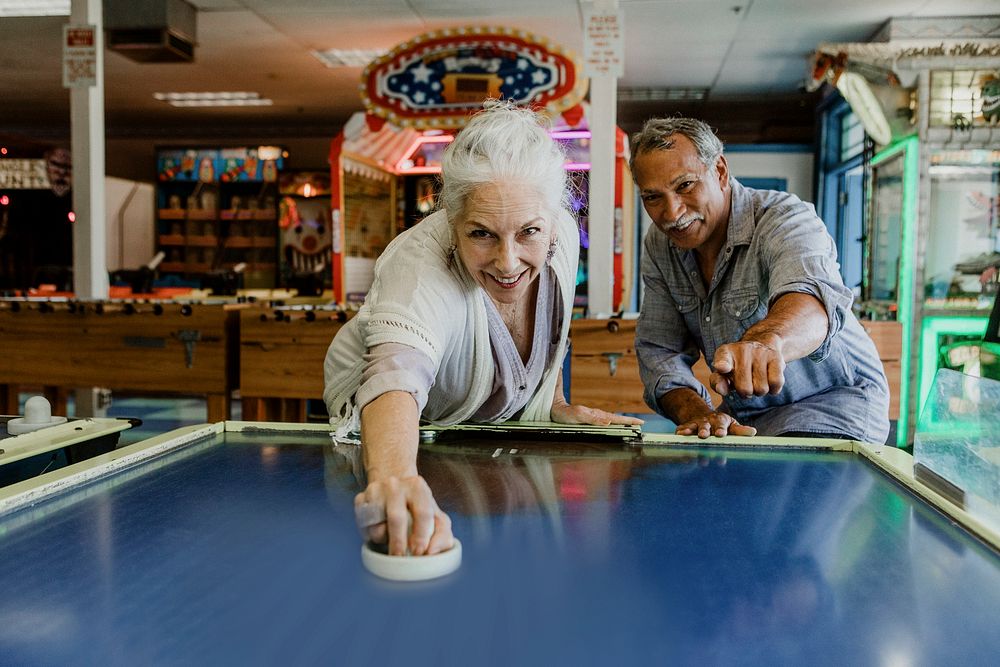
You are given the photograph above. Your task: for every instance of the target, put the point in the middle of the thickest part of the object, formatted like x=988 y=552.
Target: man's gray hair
x=657 y=133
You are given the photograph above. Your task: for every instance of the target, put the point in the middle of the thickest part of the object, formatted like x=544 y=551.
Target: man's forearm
x=795 y=326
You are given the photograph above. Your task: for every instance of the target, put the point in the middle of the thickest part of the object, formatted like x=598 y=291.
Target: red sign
x=438 y=79
x=79 y=56
x=80 y=37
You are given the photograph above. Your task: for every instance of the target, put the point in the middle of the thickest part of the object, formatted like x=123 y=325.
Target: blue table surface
x=243 y=550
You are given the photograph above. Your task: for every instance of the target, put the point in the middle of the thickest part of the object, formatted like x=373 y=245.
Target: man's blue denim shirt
x=775 y=244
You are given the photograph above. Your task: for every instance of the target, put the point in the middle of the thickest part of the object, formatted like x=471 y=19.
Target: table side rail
x=32 y=491
x=56 y=437
x=898 y=465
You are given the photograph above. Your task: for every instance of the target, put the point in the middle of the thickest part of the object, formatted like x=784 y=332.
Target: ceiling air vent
x=151 y=31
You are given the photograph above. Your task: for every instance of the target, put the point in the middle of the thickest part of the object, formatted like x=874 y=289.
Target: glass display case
x=961 y=261
x=963 y=242
x=885 y=235
x=888 y=283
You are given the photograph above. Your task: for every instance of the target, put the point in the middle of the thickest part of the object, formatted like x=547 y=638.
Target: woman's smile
x=503 y=239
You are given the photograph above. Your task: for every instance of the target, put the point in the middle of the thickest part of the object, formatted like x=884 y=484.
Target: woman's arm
x=390 y=436
x=390 y=433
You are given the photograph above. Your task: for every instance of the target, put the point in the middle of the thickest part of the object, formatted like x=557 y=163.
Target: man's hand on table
x=714 y=423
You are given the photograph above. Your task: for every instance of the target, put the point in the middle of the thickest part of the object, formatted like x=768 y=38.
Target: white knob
x=37 y=415
x=37 y=411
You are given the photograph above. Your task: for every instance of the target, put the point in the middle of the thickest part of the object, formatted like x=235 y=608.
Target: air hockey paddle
x=402 y=568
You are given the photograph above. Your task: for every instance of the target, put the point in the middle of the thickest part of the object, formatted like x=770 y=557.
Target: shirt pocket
x=743 y=307
x=684 y=300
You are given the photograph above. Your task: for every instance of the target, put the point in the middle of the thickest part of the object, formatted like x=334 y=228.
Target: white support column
x=86 y=103
x=601 y=208
x=90 y=275
x=603 y=61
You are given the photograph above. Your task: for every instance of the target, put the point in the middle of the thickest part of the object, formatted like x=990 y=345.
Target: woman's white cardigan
x=423 y=296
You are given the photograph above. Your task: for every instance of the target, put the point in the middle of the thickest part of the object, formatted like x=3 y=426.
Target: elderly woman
x=466 y=319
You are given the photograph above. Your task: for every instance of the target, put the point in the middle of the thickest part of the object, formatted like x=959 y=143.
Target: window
x=957 y=97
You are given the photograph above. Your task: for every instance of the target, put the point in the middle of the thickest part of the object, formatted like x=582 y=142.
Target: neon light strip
x=448 y=138
x=412 y=148
x=906 y=277
x=419 y=170
x=933 y=328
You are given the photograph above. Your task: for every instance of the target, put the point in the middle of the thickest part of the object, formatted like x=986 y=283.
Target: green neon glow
x=933 y=328
x=907 y=277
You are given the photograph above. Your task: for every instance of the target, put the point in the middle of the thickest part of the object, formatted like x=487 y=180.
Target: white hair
x=504 y=143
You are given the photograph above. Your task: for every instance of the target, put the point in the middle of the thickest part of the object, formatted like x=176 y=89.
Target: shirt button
x=521 y=388
x=708 y=318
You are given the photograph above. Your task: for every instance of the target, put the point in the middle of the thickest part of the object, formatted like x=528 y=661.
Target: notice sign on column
x=603 y=43
x=79 y=56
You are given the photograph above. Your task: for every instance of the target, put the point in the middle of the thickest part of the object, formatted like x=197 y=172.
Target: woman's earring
x=451 y=254
x=551 y=253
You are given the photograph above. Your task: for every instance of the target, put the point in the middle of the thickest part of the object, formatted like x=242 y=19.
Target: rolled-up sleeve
x=395 y=367
x=802 y=258
x=665 y=348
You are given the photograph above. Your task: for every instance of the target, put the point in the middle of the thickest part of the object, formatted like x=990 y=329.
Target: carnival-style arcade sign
x=436 y=79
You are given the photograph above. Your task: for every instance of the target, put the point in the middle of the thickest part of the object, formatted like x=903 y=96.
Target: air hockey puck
x=411 y=568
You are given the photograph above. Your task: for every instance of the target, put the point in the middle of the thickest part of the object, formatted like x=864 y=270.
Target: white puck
x=411 y=568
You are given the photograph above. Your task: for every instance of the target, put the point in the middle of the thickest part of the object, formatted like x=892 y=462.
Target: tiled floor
x=160 y=415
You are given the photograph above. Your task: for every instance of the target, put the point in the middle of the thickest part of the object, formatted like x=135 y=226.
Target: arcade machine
x=412 y=162
x=363 y=204
x=933 y=250
x=932 y=240
x=216 y=209
x=989 y=353
x=304 y=231
x=384 y=163
x=36 y=234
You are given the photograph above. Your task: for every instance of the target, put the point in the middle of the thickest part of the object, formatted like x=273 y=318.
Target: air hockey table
x=235 y=543
x=27 y=455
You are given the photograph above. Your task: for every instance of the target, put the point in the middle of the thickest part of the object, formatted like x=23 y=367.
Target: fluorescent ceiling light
x=347 y=57
x=34 y=7
x=661 y=94
x=221 y=99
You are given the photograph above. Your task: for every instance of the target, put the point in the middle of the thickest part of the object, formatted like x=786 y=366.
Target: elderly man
x=748 y=278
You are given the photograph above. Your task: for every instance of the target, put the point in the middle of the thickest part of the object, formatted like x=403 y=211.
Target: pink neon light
x=417 y=143
x=448 y=138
